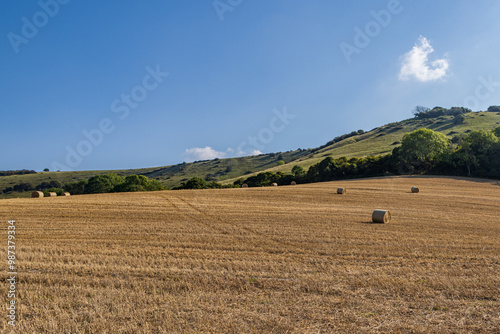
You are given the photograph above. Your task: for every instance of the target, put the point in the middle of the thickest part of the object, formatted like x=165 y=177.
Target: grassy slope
x=377 y=141
x=382 y=140
x=170 y=176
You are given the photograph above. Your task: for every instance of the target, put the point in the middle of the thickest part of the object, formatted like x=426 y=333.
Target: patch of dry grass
x=296 y=259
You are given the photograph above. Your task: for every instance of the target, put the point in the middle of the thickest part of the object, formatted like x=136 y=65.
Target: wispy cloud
x=416 y=63
x=202 y=153
x=255 y=152
x=208 y=153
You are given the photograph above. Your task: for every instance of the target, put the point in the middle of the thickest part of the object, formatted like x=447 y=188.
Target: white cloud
x=255 y=152
x=208 y=153
x=202 y=153
x=416 y=63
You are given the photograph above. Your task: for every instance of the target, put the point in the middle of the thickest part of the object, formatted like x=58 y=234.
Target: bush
x=16 y=172
x=58 y=191
x=76 y=188
x=102 y=183
x=138 y=183
x=113 y=183
x=23 y=187
x=496 y=132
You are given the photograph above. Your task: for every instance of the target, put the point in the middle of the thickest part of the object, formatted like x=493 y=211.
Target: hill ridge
x=378 y=141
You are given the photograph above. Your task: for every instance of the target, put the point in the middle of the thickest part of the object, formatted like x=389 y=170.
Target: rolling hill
x=380 y=140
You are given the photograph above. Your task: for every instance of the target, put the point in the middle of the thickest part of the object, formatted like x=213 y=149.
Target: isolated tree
x=46 y=170
x=458 y=119
x=420 y=110
x=421 y=148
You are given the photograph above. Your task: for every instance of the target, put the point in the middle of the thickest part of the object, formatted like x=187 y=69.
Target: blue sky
x=90 y=85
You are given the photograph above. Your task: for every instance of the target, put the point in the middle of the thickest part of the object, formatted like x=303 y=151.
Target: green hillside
x=378 y=141
x=170 y=176
x=383 y=139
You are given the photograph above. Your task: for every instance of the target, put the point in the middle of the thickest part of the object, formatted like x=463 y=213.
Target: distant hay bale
x=341 y=191
x=381 y=216
x=414 y=190
x=65 y=194
x=244 y=185
x=293 y=183
x=274 y=184
x=51 y=194
x=37 y=194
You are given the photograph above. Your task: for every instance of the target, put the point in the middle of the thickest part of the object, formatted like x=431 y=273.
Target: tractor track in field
x=238 y=233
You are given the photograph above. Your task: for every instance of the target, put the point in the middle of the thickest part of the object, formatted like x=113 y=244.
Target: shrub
x=58 y=191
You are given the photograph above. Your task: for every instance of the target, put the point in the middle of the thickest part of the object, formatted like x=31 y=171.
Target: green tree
x=475 y=150
x=298 y=171
x=155 y=185
x=421 y=149
x=496 y=132
x=76 y=188
x=132 y=183
x=24 y=186
x=195 y=183
x=102 y=183
x=458 y=119
x=418 y=111
x=58 y=191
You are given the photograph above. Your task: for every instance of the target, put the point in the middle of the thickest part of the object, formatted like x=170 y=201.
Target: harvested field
x=290 y=259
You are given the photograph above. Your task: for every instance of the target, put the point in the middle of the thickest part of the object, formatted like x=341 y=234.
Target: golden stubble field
x=294 y=259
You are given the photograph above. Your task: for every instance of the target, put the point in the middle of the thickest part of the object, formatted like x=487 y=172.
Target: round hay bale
x=293 y=183
x=51 y=194
x=341 y=191
x=65 y=194
x=37 y=194
x=274 y=184
x=414 y=190
x=244 y=185
x=381 y=216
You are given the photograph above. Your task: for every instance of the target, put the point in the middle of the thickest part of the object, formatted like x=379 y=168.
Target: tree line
x=16 y=172
x=95 y=185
